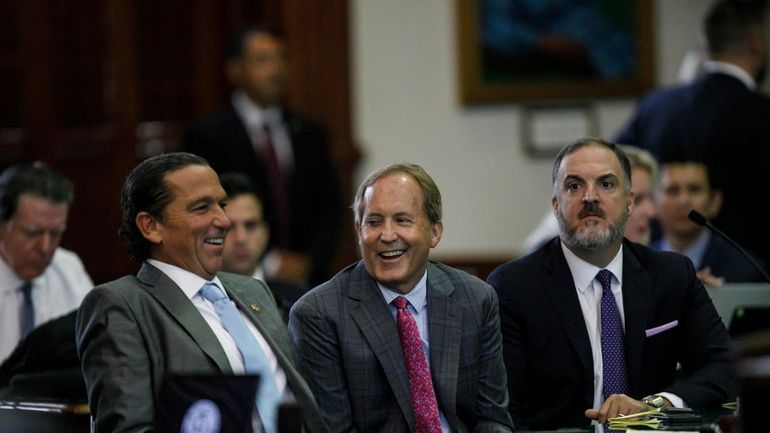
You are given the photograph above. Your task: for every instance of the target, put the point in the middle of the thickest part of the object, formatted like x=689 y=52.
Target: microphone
x=701 y=220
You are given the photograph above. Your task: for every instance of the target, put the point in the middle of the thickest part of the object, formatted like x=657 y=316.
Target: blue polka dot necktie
x=613 y=341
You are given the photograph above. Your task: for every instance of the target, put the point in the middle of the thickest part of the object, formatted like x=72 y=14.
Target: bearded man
x=594 y=325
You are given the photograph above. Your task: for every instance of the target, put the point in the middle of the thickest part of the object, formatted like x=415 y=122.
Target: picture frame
x=606 y=52
x=546 y=128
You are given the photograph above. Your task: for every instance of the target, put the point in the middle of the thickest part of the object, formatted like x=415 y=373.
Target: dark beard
x=573 y=238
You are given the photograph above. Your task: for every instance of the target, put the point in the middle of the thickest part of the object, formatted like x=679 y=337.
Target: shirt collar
x=417 y=297
x=186 y=280
x=695 y=251
x=259 y=273
x=252 y=114
x=9 y=281
x=713 y=66
x=584 y=273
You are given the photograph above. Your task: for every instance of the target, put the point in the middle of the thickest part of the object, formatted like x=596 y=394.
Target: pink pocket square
x=658 y=329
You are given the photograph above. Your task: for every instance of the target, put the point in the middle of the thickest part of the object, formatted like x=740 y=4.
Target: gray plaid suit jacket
x=133 y=331
x=350 y=353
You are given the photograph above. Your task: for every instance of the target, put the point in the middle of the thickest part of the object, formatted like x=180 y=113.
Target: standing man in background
x=720 y=119
x=285 y=154
x=594 y=325
x=39 y=280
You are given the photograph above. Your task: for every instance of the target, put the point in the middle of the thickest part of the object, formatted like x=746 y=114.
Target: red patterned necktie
x=278 y=188
x=420 y=384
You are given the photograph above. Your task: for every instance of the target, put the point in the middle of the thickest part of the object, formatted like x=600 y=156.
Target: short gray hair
x=431 y=194
x=588 y=141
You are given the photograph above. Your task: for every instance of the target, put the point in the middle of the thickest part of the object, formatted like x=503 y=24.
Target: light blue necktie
x=268 y=397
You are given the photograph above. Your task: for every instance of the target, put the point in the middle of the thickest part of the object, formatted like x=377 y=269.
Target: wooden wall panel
x=93 y=88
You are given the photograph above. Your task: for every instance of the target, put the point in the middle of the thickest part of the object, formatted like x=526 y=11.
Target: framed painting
x=534 y=50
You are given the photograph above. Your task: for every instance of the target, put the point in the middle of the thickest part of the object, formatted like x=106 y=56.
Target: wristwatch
x=655 y=400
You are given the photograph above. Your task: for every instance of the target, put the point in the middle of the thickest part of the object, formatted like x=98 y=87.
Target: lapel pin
x=255 y=307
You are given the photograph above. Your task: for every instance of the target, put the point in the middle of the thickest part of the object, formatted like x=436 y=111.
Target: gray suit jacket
x=132 y=331
x=351 y=354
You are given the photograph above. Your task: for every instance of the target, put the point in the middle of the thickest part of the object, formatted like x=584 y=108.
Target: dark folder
x=206 y=404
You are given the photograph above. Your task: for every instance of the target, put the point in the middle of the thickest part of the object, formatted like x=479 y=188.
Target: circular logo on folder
x=202 y=417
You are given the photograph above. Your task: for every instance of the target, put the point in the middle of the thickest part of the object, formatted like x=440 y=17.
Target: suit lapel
x=168 y=294
x=559 y=287
x=376 y=323
x=637 y=292
x=444 y=333
x=259 y=307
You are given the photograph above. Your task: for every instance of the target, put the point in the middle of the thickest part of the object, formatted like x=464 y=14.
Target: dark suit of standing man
x=720 y=119
x=551 y=315
x=234 y=140
x=134 y=331
x=349 y=342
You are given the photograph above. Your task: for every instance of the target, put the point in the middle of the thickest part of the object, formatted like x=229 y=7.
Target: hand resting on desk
x=616 y=405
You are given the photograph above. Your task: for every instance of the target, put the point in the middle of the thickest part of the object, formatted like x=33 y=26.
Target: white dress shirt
x=56 y=292
x=255 y=119
x=734 y=71
x=190 y=285
x=589 y=291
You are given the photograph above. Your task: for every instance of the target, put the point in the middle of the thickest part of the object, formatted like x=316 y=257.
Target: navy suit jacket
x=313 y=188
x=350 y=353
x=548 y=353
x=719 y=121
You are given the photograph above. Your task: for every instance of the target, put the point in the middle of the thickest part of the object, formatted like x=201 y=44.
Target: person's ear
x=149 y=227
x=756 y=41
x=234 y=72
x=358 y=233
x=715 y=204
x=435 y=233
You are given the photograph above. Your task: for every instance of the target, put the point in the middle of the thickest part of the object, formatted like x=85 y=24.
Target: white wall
x=405 y=108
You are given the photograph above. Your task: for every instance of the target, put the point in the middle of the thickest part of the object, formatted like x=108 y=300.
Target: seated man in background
x=248 y=238
x=179 y=314
x=594 y=325
x=684 y=186
x=363 y=335
x=39 y=280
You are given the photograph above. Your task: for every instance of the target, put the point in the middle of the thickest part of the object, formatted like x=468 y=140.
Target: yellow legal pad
x=641 y=419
